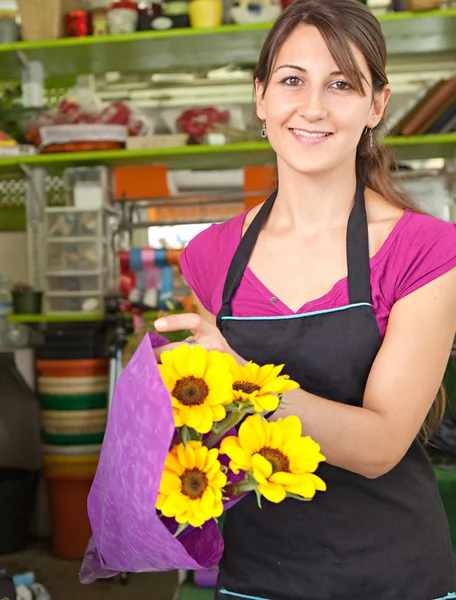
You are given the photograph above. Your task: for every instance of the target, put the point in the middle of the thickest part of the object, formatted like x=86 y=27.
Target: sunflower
x=200 y=385
x=259 y=385
x=191 y=484
x=280 y=461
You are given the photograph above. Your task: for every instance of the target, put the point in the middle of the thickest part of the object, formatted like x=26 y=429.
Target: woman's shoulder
x=420 y=249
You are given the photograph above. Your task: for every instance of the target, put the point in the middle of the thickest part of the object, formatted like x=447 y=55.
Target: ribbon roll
x=160 y=257
x=135 y=259
x=147 y=258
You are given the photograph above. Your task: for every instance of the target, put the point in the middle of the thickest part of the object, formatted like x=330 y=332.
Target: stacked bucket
x=73 y=395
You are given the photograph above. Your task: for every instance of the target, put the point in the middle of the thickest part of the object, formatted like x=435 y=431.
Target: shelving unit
x=408 y=35
x=230 y=156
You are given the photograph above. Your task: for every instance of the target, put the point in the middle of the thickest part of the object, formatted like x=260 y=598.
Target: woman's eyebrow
x=301 y=69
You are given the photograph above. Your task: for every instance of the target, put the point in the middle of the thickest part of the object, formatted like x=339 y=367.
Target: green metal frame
x=229 y=156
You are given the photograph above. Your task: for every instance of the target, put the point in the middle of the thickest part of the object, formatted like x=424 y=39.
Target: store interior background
x=76 y=224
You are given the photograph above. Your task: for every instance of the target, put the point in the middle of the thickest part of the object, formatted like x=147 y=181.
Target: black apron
x=362 y=539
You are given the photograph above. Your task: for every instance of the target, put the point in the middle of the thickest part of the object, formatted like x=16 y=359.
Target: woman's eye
x=341 y=85
x=292 y=81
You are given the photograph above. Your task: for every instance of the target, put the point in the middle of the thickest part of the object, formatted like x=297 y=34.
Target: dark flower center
x=246 y=387
x=194 y=482
x=191 y=391
x=278 y=460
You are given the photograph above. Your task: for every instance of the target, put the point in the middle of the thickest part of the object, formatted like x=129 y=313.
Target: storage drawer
x=72 y=255
x=72 y=224
x=78 y=304
x=74 y=283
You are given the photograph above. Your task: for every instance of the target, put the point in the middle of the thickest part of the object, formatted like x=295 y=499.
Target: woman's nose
x=312 y=106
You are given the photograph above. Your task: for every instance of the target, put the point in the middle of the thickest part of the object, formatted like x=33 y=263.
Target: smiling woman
x=339 y=278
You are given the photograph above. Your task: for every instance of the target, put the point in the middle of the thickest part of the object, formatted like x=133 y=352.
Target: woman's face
x=314 y=117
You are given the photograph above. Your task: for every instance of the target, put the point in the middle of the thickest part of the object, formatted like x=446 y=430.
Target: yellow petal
x=291 y=428
x=272 y=492
x=211 y=473
x=262 y=468
x=174 y=504
x=192 y=416
x=254 y=428
x=208 y=500
x=170 y=483
x=201 y=454
x=169 y=376
x=160 y=501
x=285 y=479
x=268 y=373
x=208 y=420
x=279 y=386
x=197 y=361
x=265 y=403
x=218 y=480
x=181 y=356
x=211 y=458
x=182 y=456
x=177 y=417
x=275 y=435
x=240 y=457
x=218 y=413
x=305 y=488
x=172 y=464
x=320 y=485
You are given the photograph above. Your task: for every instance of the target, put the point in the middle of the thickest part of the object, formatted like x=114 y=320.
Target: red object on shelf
x=77 y=24
x=124 y=4
x=286 y=3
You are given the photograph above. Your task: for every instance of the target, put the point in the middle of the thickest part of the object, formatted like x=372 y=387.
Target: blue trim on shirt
x=235 y=595
x=298 y=316
x=452 y=595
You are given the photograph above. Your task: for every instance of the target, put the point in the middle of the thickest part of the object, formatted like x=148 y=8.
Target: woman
x=355 y=291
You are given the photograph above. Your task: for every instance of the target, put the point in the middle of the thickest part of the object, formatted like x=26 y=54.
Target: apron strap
x=242 y=256
x=358 y=265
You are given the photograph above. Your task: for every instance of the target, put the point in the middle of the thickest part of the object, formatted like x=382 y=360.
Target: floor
x=60 y=577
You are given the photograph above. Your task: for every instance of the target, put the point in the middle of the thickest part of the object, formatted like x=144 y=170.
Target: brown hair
x=341 y=23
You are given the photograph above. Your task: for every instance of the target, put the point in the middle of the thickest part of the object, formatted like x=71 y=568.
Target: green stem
x=231 y=420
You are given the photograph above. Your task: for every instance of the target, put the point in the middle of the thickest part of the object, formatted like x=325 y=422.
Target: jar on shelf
x=99 y=16
x=123 y=17
x=77 y=24
x=206 y=13
x=178 y=12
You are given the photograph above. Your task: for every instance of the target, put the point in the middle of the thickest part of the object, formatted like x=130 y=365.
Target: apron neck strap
x=358 y=266
x=242 y=256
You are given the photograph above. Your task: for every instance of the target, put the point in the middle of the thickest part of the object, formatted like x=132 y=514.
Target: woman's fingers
x=183 y=322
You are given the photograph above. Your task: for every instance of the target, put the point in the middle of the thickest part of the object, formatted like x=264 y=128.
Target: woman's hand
x=203 y=332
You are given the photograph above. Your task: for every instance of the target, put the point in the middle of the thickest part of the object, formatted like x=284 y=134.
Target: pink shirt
x=419 y=249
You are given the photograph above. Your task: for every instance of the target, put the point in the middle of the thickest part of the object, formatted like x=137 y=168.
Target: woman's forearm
x=353 y=438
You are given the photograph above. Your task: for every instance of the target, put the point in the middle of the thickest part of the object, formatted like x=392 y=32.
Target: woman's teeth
x=308 y=134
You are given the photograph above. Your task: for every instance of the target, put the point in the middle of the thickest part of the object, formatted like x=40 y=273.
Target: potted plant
x=26 y=300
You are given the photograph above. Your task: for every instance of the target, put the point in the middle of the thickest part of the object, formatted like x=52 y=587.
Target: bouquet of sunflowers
x=185 y=440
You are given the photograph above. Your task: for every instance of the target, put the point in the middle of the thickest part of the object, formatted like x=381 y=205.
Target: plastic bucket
x=70 y=524
x=77 y=402
x=17 y=500
x=66 y=465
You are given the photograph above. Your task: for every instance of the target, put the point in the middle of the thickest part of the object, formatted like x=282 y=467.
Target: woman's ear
x=379 y=105
x=259 y=92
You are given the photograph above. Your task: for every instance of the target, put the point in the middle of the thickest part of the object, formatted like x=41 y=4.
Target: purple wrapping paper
x=128 y=535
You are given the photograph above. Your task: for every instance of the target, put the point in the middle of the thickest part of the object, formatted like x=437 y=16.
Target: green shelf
x=408 y=36
x=231 y=156
x=62 y=318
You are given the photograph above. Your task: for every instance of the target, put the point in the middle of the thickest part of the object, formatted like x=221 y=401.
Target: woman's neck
x=311 y=203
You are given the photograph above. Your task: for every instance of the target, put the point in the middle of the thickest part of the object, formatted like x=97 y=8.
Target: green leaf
x=258 y=495
x=180 y=529
x=296 y=497
x=185 y=435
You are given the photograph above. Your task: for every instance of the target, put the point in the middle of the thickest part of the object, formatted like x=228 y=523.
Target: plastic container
x=69 y=223
x=73 y=368
x=72 y=385
x=76 y=402
x=73 y=283
x=70 y=524
x=89 y=303
x=67 y=464
x=75 y=256
x=17 y=499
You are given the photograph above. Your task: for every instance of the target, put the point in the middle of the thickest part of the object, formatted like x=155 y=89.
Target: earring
x=263 y=132
x=371 y=139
